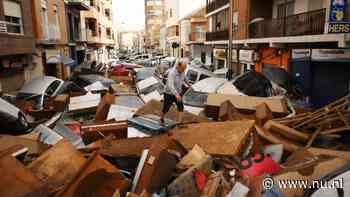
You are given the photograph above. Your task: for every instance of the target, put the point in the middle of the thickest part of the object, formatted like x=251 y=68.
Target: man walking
x=173 y=91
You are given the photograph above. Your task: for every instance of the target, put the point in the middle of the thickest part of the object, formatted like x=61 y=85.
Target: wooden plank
x=263 y=114
x=155 y=108
x=220 y=138
x=34 y=146
x=313 y=137
x=320 y=171
x=58 y=165
x=286 y=131
x=335 y=130
x=97 y=177
x=158 y=168
x=276 y=104
x=287 y=144
x=16 y=180
x=335 y=153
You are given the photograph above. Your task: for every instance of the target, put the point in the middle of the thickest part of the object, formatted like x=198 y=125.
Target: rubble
x=53 y=170
x=276 y=104
x=115 y=145
x=154 y=107
x=96 y=131
x=233 y=136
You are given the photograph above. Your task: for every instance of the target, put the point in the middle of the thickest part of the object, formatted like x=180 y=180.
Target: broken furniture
x=92 y=132
x=217 y=138
x=245 y=104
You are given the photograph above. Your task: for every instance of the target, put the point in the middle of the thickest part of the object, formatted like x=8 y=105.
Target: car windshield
x=192 y=76
x=158 y=86
x=194 y=98
x=144 y=74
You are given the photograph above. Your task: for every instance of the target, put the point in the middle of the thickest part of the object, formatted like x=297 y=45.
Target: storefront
x=247 y=60
x=273 y=57
x=219 y=61
x=58 y=64
x=322 y=74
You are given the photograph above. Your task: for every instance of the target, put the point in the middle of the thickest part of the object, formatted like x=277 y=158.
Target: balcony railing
x=215 y=36
x=212 y=6
x=308 y=23
x=80 y=4
x=197 y=37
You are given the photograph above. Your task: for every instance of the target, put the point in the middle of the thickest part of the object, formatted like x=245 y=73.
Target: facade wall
x=17 y=50
x=57 y=33
x=18 y=44
x=98 y=42
x=154 y=20
x=274 y=56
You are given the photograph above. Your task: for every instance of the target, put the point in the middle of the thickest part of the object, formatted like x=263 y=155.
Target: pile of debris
x=235 y=147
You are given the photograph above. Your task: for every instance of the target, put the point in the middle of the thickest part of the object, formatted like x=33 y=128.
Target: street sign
x=337 y=20
x=339 y=28
x=3 y=27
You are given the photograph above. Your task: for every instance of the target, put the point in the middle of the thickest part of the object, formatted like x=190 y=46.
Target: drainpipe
x=230 y=27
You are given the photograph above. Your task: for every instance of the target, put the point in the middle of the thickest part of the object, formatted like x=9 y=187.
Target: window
x=203 y=77
x=285 y=9
x=52 y=88
x=44 y=18
x=170 y=13
x=13 y=16
x=92 y=3
x=192 y=76
x=57 y=21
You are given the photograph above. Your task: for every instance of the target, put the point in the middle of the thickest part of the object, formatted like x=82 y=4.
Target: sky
x=129 y=14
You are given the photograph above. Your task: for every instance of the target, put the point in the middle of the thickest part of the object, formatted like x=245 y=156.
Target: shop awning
x=60 y=59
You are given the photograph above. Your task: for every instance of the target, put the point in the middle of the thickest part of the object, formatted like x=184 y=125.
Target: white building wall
x=173 y=7
x=163 y=38
x=185 y=30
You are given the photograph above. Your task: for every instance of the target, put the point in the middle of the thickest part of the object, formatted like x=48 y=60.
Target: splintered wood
x=303 y=129
x=333 y=118
x=221 y=138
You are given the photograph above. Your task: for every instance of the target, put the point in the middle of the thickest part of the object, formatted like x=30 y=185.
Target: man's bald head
x=181 y=66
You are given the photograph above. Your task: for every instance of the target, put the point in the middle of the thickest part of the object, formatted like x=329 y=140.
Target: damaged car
x=40 y=88
x=12 y=119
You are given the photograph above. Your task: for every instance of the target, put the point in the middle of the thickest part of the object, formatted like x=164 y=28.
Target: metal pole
x=229 y=57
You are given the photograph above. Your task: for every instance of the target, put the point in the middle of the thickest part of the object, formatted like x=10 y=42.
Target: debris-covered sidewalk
x=98 y=136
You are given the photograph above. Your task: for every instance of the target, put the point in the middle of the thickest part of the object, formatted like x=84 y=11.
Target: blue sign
x=338 y=10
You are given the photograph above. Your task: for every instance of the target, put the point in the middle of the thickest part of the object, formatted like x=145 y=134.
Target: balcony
x=308 y=23
x=92 y=37
x=216 y=36
x=216 y=4
x=197 y=37
x=82 y=5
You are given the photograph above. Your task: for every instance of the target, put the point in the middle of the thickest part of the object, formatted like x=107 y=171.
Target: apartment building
x=217 y=37
x=172 y=13
x=77 y=42
x=17 y=45
x=307 y=38
x=193 y=35
x=97 y=29
x=154 y=20
x=52 y=53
